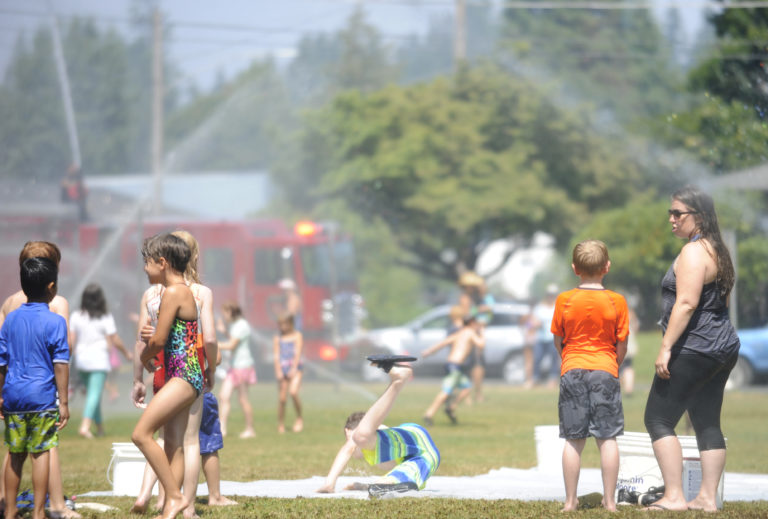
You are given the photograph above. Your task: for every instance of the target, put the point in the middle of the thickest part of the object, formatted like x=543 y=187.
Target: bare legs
x=712 y=466
x=439 y=400
x=290 y=387
x=192 y=455
x=571 y=471
x=669 y=455
x=40 y=475
x=365 y=433
x=168 y=409
x=211 y=469
x=609 y=468
x=227 y=388
x=147 y=484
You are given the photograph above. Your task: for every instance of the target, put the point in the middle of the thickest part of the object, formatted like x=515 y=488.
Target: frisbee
x=386 y=362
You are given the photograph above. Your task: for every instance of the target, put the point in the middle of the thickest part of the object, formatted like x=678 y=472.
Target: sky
x=210 y=38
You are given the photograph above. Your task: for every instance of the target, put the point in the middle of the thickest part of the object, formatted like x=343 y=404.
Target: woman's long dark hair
x=93 y=301
x=702 y=203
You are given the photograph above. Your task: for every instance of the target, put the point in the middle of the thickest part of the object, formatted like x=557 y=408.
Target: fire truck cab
x=244 y=261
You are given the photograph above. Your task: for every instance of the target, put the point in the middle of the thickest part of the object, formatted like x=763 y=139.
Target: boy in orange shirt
x=590 y=326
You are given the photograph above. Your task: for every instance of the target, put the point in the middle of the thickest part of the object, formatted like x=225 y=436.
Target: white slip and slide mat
x=503 y=483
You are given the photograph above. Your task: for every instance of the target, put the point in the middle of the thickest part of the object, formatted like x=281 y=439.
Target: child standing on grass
x=93 y=336
x=165 y=259
x=34 y=365
x=287 y=349
x=590 y=327
x=242 y=372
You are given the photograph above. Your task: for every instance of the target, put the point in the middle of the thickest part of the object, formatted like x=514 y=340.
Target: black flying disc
x=386 y=362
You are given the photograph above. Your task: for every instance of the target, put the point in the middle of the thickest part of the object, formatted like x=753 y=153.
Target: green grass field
x=496 y=433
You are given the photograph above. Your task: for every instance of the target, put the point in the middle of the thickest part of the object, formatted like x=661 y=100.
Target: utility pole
x=66 y=94
x=459 y=34
x=158 y=89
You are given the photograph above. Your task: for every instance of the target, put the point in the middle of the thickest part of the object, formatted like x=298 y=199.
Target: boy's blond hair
x=590 y=257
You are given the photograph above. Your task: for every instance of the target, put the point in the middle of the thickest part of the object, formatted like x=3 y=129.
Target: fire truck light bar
x=306 y=228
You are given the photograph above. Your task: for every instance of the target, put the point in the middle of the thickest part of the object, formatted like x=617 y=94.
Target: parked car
x=503 y=341
x=753 y=357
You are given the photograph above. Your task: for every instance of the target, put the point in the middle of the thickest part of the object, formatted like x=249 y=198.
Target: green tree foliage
x=725 y=127
x=737 y=71
x=447 y=164
x=724 y=135
x=616 y=59
x=237 y=126
x=354 y=58
x=422 y=58
x=109 y=85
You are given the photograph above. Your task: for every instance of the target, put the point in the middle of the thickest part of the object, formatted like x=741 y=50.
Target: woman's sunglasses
x=675 y=213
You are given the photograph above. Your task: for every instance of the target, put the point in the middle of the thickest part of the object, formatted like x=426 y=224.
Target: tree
x=237 y=126
x=737 y=72
x=355 y=58
x=448 y=164
x=615 y=59
x=109 y=80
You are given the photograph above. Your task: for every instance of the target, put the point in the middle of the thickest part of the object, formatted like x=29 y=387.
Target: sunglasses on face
x=676 y=213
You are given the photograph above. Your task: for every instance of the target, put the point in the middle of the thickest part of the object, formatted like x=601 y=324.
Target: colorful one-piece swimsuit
x=180 y=354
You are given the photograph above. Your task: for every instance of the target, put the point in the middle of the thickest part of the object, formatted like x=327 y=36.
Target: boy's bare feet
x=298 y=425
x=220 y=501
x=248 y=433
x=85 y=433
x=281 y=428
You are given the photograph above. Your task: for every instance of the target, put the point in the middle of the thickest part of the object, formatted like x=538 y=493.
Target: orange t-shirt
x=591 y=322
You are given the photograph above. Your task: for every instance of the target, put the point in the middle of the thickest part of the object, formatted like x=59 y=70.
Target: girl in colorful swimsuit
x=165 y=259
x=287 y=347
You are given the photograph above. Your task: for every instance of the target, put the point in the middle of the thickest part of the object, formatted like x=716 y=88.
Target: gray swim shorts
x=590 y=405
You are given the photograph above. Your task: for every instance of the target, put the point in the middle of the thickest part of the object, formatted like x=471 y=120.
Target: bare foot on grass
x=298 y=425
x=221 y=501
x=248 y=433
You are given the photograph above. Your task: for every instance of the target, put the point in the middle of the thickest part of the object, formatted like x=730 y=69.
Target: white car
x=503 y=340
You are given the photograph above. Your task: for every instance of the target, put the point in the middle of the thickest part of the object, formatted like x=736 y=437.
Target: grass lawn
x=496 y=433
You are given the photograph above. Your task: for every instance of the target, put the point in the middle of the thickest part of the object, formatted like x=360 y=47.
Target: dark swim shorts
x=590 y=405
x=210 y=427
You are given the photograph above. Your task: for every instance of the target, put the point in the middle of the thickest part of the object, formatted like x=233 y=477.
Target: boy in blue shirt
x=34 y=364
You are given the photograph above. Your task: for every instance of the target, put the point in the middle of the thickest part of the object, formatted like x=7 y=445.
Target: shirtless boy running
x=462 y=342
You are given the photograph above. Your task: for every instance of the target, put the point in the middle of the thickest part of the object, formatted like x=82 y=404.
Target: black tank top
x=709 y=332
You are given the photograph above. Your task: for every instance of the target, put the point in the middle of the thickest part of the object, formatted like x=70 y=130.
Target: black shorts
x=590 y=405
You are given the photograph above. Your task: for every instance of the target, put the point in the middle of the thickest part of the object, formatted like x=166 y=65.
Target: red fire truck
x=240 y=261
x=244 y=261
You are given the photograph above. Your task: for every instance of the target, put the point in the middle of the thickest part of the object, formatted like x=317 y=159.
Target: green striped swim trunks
x=411 y=446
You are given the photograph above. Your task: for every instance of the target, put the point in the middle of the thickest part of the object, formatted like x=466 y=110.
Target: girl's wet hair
x=175 y=250
x=93 y=301
x=191 y=273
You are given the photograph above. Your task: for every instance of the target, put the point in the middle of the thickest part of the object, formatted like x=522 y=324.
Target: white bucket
x=127 y=467
x=549 y=448
x=638 y=469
